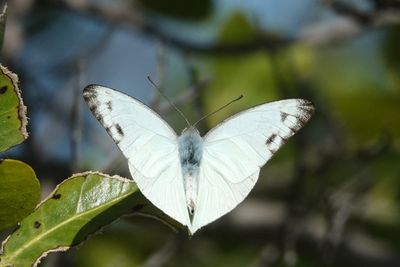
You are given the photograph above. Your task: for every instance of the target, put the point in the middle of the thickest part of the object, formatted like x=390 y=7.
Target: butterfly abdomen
x=190 y=152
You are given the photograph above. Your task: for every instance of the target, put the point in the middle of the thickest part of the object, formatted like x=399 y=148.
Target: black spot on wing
x=93 y=106
x=109 y=106
x=113 y=130
x=89 y=93
x=98 y=116
x=297 y=126
x=90 y=96
x=108 y=129
x=293 y=122
x=284 y=116
x=305 y=111
x=119 y=130
x=272 y=150
x=274 y=142
x=3 y=89
x=271 y=139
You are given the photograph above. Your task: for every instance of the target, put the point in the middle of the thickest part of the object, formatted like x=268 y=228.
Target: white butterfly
x=193 y=179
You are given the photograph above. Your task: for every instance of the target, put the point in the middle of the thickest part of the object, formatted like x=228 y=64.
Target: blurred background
x=329 y=197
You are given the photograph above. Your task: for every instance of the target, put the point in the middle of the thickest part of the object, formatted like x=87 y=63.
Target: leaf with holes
x=77 y=208
x=13 y=119
x=19 y=192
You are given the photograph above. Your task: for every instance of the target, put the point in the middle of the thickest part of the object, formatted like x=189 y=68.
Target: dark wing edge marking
x=306 y=110
x=303 y=104
x=90 y=95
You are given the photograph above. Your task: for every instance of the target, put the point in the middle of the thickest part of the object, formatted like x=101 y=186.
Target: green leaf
x=77 y=208
x=13 y=119
x=237 y=29
x=3 y=16
x=19 y=192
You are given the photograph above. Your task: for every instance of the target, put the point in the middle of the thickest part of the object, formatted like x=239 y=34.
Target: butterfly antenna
x=221 y=108
x=169 y=101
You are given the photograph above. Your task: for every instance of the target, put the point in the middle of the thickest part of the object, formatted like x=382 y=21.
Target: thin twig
x=386 y=4
x=76 y=118
x=386 y=13
x=345 y=8
x=164 y=255
x=264 y=41
x=196 y=90
x=344 y=201
x=161 y=55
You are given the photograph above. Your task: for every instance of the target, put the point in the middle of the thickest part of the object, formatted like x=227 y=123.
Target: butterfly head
x=191 y=130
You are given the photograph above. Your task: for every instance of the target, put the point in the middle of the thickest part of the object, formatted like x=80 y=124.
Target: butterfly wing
x=149 y=144
x=236 y=149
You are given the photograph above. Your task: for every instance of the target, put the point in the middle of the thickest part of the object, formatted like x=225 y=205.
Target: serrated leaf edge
x=64 y=248
x=21 y=107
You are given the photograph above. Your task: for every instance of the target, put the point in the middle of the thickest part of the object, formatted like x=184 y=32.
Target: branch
x=167 y=252
x=386 y=4
x=346 y=9
x=265 y=40
x=386 y=12
x=125 y=16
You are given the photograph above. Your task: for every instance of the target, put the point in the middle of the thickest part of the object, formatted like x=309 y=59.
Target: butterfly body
x=190 y=152
x=196 y=179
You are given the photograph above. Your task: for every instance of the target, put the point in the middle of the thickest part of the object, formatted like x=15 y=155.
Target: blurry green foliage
x=250 y=75
x=237 y=29
x=203 y=253
x=365 y=109
x=19 y=192
x=180 y=9
x=382 y=200
x=111 y=250
x=128 y=243
x=391 y=46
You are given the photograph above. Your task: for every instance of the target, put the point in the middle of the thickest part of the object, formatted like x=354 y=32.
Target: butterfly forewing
x=232 y=153
x=236 y=149
x=148 y=143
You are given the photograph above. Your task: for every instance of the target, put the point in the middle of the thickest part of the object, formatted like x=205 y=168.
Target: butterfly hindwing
x=236 y=149
x=232 y=153
x=149 y=144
